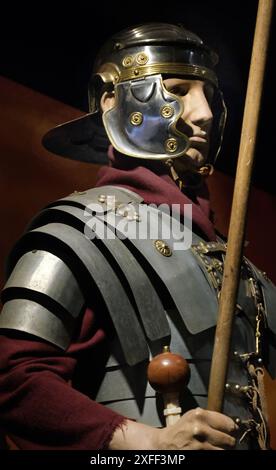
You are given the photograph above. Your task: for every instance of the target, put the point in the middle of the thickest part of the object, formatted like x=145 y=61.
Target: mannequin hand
x=197 y=429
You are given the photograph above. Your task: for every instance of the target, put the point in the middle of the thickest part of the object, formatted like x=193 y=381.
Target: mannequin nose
x=198 y=110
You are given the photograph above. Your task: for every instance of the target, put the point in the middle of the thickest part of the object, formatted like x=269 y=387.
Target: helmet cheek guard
x=143 y=121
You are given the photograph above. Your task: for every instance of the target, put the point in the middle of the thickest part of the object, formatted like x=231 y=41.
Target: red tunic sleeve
x=39 y=409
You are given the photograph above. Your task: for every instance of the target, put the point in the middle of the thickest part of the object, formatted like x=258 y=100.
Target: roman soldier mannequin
x=103 y=280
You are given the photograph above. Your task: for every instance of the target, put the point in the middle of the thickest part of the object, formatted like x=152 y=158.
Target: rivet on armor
x=265 y=276
x=167 y=111
x=137 y=217
x=260 y=361
x=142 y=58
x=102 y=198
x=133 y=216
x=136 y=118
x=171 y=145
x=227 y=386
x=203 y=247
x=128 y=61
x=79 y=192
x=238 y=421
x=237 y=387
x=122 y=211
x=163 y=248
x=136 y=72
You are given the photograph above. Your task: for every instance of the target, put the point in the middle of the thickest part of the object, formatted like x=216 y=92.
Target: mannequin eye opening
x=179 y=90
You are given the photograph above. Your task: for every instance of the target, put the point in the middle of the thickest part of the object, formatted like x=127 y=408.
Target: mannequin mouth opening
x=197 y=153
x=194 y=157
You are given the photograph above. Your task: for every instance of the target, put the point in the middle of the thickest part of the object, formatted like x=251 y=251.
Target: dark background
x=51 y=49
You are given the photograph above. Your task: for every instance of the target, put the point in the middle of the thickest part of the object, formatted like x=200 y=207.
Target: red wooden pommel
x=168 y=372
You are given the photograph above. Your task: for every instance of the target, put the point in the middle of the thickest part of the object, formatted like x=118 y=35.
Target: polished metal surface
x=42 y=297
x=43 y=272
x=133 y=59
x=135 y=42
x=33 y=318
x=169 y=59
x=149 y=137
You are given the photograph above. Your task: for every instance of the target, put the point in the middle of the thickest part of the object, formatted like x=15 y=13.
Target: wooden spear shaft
x=236 y=233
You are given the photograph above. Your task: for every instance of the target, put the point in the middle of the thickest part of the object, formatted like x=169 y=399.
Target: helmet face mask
x=143 y=121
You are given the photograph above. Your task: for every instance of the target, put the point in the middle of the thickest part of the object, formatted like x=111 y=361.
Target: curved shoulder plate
x=41 y=282
x=134 y=279
x=58 y=234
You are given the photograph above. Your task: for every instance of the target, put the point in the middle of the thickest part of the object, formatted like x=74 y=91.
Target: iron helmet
x=143 y=121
